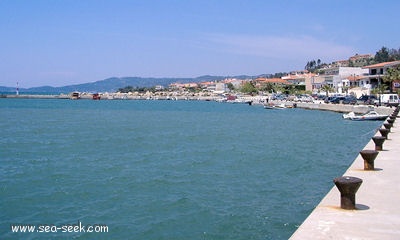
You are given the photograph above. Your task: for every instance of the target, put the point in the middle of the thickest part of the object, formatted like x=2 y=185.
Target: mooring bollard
x=348 y=187
x=390 y=121
x=392 y=117
x=378 y=142
x=369 y=158
x=387 y=126
x=384 y=132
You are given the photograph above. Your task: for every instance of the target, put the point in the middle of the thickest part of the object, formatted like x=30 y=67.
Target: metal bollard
x=390 y=121
x=369 y=158
x=387 y=126
x=348 y=187
x=378 y=142
x=384 y=132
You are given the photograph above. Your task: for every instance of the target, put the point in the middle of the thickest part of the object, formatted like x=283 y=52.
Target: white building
x=376 y=72
x=338 y=77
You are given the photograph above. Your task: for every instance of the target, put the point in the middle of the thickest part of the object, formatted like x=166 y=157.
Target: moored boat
x=96 y=96
x=371 y=115
x=274 y=106
x=75 y=96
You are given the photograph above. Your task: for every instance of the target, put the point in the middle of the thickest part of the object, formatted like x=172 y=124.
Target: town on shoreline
x=303 y=101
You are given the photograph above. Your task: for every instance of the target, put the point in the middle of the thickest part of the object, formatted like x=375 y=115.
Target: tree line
x=128 y=89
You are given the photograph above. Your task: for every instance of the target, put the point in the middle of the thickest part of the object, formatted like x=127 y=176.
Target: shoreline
x=251 y=100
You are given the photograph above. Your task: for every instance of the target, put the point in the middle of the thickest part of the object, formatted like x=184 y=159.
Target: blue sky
x=57 y=43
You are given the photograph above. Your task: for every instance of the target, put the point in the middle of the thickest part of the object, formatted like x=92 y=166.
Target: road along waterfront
x=377 y=213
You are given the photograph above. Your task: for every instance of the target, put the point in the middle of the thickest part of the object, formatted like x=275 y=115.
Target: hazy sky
x=57 y=43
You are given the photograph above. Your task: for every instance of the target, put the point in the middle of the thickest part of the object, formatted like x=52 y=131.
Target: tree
x=391 y=75
x=326 y=88
x=126 y=89
x=313 y=65
x=230 y=86
x=249 y=88
x=292 y=89
x=394 y=54
x=382 y=55
x=268 y=87
x=346 y=89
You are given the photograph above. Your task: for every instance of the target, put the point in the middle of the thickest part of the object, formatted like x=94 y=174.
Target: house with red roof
x=259 y=82
x=377 y=71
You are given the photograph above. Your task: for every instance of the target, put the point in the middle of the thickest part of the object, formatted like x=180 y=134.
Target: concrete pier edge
x=377 y=214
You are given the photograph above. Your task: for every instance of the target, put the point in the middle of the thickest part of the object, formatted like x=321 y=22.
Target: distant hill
x=114 y=83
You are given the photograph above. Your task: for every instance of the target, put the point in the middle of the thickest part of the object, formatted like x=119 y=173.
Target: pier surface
x=377 y=201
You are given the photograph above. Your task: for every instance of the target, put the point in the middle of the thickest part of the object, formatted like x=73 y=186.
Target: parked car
x=328 y=99
x=337 y=100
x=303 y=98
x=350 y=100
x=279 y=97
x=366 y=99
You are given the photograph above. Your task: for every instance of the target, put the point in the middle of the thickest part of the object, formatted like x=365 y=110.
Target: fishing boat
x=371 y=115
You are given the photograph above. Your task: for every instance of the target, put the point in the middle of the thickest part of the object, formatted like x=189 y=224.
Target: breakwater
x=36 y=96
x=375 y=213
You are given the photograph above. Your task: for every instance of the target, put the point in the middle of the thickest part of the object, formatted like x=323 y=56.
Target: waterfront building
x=260 y=82
x=301 y=78
x=236 y=83
x=377 y=71
x=316 y=82
x=159 y=87
x=221 y=87
x=338 y=77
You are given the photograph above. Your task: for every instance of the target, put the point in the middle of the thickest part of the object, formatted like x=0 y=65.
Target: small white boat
x=371 y=115
x=273 y=106
x=348 y=115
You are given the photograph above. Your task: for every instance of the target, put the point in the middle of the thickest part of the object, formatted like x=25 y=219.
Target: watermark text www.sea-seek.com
x=78 y=227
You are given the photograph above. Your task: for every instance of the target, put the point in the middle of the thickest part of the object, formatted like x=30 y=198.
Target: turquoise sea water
x=168 y=169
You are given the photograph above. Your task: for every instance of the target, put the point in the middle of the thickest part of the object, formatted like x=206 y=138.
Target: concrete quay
x=377 y=201
x=359 y=109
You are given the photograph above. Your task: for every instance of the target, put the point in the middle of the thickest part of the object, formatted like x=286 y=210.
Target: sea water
x=167 y=169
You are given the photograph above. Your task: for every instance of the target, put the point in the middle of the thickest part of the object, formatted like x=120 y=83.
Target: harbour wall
x=345 y=108
x=377 y=210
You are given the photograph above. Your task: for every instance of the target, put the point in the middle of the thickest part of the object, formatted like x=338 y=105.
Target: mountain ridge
x=112 y=84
